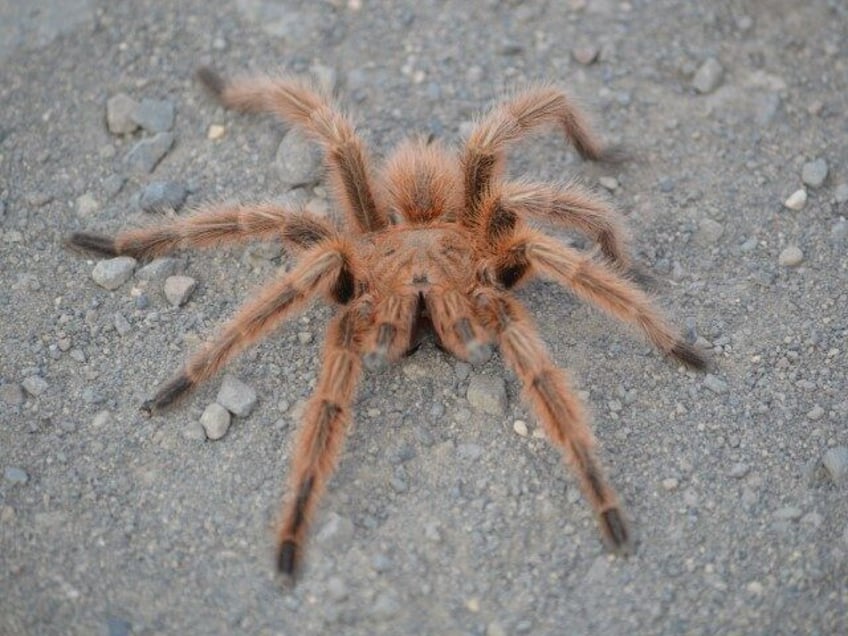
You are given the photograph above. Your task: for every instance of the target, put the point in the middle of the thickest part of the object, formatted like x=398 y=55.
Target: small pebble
x=738 y=471
x=708 y=77
x=715 y=384
x=797 y=200
x=15 y=475
x=35 y=385
x=215 y=132
x=835 y=461
x=235 y=396
x=119 y=114
x=815 y=413
x=304 y=337
x=158 y=269
x=814 y=173
x=610 y=183
x=670 y=484
x=487 y=393
x=787 y=513
x=469 y=451
x=709 y=231
x=840 y=193
x=163 y=195
x=520 y=427
x=194 y=431
x=585 y=54
x=754 y=587
x=122 y=325
x=111 y=273
x=178 y=289
x=791 y=256
x=87 y=205
x=154 y=115
x=147 y=153
x=215 y=421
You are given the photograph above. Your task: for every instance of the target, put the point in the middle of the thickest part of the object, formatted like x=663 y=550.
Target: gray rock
x=35 y=385
x=709 y=231
x=194 y=431
x=144 y=156
x=487 y=393
x=178 y=289
x=87 y=205
x=797 y=200
x=122 y=325
x=840 y=194
x=815 y=413
x=708 y=77
x=298 y=160
x=835 y=460
x=154 y=115
x=235 y=396
x=119 y=114
x=791 y=256
x=215 y=421
x=158 y=269
x=715 y=384
x=15 y=475
x=788 y=513
x=163 y=195
x=814 y=173
x=839 y=231
x=113 y=272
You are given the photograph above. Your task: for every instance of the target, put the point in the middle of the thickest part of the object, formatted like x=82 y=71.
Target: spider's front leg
x=322 y=432
x=530 y=251
x=548 y=391
x=327 y=268
x=215 y=225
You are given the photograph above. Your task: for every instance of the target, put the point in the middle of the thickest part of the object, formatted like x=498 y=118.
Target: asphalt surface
x=441 y=519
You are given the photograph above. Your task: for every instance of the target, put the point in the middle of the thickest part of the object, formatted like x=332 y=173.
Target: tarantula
x=436 y=240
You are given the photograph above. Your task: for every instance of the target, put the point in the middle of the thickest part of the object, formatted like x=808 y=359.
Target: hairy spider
x=437 y=239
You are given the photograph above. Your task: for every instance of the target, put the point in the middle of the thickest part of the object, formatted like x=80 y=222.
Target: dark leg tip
x=376 y=361
x=479 y=353
x=211 y=81
x=287 y=558
x=92 y=244
x=689 y=355
x=616 y=532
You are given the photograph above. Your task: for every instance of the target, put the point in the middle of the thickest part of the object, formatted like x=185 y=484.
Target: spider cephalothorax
x=437 y=238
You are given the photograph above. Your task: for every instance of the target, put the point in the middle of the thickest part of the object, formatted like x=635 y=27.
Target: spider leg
x=570 y=206
x=214 y=225
x=320 y=437
x=548 y=391
x=324 y=268
x=457 y=326
x=595 y=283
x=394 y=319
x=483 y=156
x=297 y=102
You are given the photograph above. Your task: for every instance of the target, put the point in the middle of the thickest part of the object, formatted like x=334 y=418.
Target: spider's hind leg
x=320 y=438
x=548 y=391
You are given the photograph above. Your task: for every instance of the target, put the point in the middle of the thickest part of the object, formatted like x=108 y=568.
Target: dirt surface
x=441 y=517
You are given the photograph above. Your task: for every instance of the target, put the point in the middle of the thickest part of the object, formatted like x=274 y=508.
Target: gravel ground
x=449 y=513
